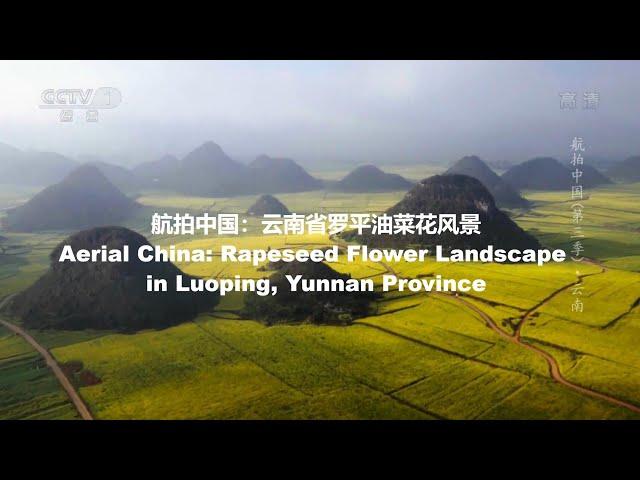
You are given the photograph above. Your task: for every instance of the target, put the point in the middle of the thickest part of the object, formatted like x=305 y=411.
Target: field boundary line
x=434 y=347
x=554 y=366
x=614 y=322
x=247 y=357
x=361 y=382
x=504 y=399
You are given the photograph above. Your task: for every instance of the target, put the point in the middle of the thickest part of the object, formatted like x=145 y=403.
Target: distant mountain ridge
x=369 y=178
x=157 y=171
x=32 y=168
x=281 y=175
x=85 y=198
x=205 y=171
x=453 y=194
x=627 y=170
x=209 y=171
x=503 y=194
x=547 y=173
x=121 y=177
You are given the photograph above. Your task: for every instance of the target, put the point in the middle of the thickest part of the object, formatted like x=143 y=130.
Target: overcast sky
x=316 y=111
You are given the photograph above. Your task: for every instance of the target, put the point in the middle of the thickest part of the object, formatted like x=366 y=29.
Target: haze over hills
x=267 y=204
x=85 y=198
x=627 y=170
x=7 y=153
x=499 y=164
x=546 y=173
x=453 y=194
x=32 y=168
x=369 y=178
x=107 y=295
x=503 y=194
x=542 y=173
x=44 y=168
x=337 y=308
x=591 y=176
x=208 y=171
x=157 y=171
x=121 y=177
x=281 y=175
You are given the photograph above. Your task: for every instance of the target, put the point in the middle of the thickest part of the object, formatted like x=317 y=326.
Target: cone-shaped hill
x=267 y=204
x=453 y=194
x=85 y=198
x=627 y=171
x=113 y=296
x=280 y=175
x=545 y=173
x=503 y=194
x=121 y=177
x=369 y=178
x=337 y=308
x=208 y=171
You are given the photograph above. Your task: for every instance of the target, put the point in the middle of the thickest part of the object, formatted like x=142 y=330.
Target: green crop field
x=611 y=223
x=29 y=389
x=418 y=355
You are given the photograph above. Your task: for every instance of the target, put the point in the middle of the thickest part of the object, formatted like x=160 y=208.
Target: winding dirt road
x=554 y=367
x=75 y=398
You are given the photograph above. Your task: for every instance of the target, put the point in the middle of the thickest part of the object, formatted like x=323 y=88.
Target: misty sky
x=328 y=112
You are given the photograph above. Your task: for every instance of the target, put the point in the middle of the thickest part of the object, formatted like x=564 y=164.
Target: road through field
x=77 y=401
x=554 y=367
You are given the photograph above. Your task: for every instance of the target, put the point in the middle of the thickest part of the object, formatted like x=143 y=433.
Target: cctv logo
x=103 y=97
